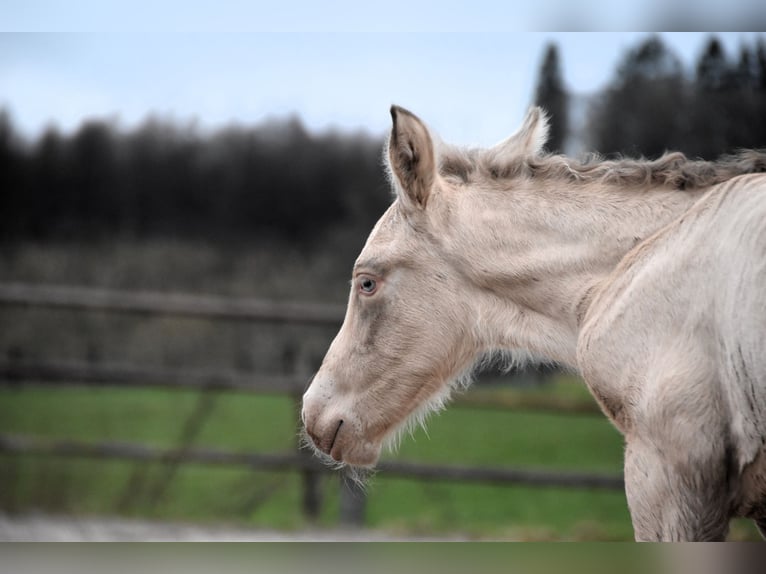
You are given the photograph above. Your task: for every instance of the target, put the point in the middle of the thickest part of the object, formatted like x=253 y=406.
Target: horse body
x=671 y=347
x=644 y=276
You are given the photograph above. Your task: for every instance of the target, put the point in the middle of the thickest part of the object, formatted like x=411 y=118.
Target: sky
x=472 y=88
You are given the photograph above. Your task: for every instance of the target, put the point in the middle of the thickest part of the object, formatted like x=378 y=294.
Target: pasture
x=272 y=500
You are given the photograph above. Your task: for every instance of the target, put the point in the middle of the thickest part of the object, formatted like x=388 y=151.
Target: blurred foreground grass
x=268 y=424
x=273 y=500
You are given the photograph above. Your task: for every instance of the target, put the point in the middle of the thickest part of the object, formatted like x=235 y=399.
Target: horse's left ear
x=411 y=158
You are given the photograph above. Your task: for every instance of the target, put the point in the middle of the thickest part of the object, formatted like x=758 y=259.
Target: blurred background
x=179 y=214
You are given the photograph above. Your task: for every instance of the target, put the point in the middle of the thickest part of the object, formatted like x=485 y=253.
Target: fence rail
x=57 y=373
x=184 y=305
x=19 y=444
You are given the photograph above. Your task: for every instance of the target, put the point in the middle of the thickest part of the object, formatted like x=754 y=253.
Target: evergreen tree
x=710 y=114
x=758 y=119
x=745 y=76
x=649 y=61
x=760 y=64
x=728 y=108
x=713 y=71
x=12 y=170
x=642 y=112
x=552 y=97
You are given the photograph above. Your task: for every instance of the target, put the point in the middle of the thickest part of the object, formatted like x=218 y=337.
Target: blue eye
x=367 y=285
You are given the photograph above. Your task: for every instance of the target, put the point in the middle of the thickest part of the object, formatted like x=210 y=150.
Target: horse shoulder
x=639 y=328
x=675 y=333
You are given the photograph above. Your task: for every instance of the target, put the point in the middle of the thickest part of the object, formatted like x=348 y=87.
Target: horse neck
x=535 y=253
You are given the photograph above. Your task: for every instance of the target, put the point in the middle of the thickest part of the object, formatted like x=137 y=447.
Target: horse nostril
x=335 y=436
x=324 y=441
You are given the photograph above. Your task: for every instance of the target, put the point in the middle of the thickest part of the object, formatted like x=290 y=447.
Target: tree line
x=279 y=180
x=272 y=180
x=653 y=104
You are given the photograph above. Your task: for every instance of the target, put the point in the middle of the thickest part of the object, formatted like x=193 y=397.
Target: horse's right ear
x=411 y=158
x=528 y=141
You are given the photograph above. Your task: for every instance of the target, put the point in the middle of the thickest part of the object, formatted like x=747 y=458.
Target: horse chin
x=359 y=455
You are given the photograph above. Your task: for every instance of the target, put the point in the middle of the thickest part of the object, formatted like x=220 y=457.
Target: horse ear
x=411 y=158
x=529 y=140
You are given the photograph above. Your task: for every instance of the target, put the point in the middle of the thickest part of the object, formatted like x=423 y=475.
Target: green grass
x=236 y=422
x=267 y=424
x=273 y=500
x=494 y=438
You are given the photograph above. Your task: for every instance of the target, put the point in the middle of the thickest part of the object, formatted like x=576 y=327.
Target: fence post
x=353 y=500
x=311 y=479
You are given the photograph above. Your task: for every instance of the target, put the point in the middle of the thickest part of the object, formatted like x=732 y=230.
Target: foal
x=645 y=276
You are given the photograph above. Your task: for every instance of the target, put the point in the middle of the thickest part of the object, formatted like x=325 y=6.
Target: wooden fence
x=23 y=373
